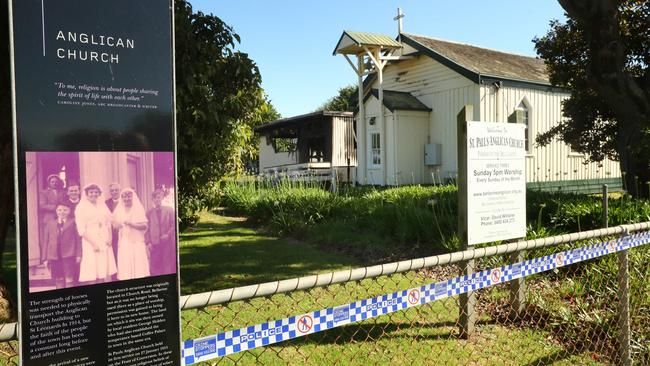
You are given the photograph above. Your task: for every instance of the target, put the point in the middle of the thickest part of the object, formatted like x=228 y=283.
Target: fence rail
x=204 y=299
x=216 y=311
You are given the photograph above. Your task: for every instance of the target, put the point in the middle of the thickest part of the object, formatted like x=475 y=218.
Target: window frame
x=525 y=107
x=374 y=151
x=291 y=141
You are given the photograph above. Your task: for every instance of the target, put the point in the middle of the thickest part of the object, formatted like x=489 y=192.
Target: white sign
x=496 y=181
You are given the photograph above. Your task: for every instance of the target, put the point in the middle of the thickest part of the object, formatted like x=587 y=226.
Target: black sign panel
x=94 y=124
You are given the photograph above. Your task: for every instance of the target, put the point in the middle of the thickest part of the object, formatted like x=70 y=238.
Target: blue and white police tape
x=260 y=335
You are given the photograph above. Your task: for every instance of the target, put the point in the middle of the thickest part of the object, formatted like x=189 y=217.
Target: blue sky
x=292 y=40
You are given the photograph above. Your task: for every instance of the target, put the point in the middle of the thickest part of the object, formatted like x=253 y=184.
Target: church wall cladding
x=422 y=76
x=446 y=92
x=96 y=199
x=556 y=161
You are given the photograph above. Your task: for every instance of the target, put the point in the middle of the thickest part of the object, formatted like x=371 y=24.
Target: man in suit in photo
x=62 y=247
x=114 y=191
x=72 y=199
x=161 y=236
x=73 y=196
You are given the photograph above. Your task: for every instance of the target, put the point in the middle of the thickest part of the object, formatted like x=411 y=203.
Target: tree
x=345 y=101
x=219 y=99
x=245 y=149
x=601 y=55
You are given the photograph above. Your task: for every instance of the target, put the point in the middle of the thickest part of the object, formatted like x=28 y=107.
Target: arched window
x=523 y=116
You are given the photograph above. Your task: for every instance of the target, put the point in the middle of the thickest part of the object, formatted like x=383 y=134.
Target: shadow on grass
x=231 y=233
x=442 y=331
x=225 y=227
x=221 y=253
x=372 y=332
x=551 y=359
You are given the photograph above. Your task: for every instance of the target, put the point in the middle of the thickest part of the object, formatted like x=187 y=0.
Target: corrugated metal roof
x=401 y=101
x=486 y=62
x=360 y=39
x=373 y=39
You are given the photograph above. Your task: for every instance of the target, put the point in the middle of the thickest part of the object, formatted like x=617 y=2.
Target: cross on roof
x=399 y=17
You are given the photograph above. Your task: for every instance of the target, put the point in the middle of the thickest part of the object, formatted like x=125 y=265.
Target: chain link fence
x=9 y=353
x=563 y=313
x=567 y=315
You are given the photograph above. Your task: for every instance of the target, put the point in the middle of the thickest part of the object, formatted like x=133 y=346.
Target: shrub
x=377 y=225
x=415 y=219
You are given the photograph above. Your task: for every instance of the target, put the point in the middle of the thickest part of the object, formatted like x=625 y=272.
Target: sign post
x=467 y=301
x=94 y=138
x=491 y=191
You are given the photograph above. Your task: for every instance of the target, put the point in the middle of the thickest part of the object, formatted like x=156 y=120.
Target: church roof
x=401 y=101
x=479 y=63
x=354 y=42
x=301 y=119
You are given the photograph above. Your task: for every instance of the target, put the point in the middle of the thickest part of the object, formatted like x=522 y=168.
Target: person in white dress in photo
x=130 y=219
x=93 y=221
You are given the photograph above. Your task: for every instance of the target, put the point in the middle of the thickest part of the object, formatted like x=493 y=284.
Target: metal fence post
x=624 y=308
x=605 y=206
x=517 y=288
x=625 y=357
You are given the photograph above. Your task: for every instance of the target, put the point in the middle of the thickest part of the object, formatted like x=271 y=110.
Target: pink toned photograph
x=96 y=217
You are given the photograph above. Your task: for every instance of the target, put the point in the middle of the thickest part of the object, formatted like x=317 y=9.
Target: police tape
x=260 y=335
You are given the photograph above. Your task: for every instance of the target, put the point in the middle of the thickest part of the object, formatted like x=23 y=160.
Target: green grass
x=222 y=252
x=579 y=301
x=387 y=342
x=419 y=335
x=422 y=333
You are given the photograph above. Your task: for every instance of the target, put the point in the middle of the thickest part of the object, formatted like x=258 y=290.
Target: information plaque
x=496 y=181
x=94 y=133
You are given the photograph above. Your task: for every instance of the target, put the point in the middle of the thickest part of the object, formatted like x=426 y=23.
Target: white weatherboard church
x=412 y=89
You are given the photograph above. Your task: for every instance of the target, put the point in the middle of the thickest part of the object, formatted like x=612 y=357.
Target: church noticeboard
x=96 y=187
x=496 y=182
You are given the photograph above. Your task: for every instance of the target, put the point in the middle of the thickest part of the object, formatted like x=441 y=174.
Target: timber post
x=467 y=301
